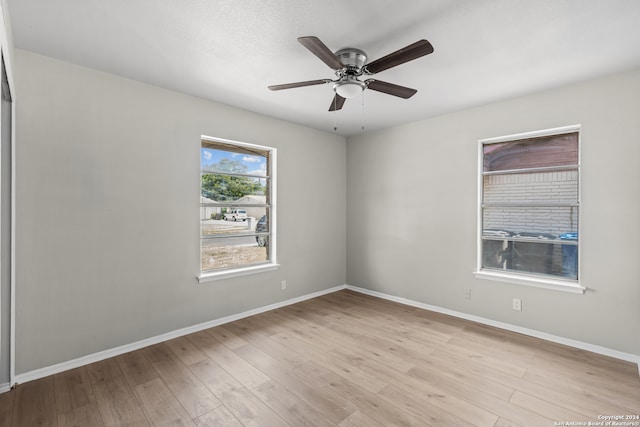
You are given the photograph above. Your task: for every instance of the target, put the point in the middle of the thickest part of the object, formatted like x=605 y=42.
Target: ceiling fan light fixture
x=349 y=88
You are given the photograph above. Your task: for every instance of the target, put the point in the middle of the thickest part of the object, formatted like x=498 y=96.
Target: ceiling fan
x=349 y=65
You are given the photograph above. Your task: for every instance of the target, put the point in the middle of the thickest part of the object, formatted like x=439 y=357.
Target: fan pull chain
x=335 y=116
x=362 y=117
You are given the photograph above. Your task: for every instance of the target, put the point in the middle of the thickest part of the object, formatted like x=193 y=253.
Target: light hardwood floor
x=344 y=359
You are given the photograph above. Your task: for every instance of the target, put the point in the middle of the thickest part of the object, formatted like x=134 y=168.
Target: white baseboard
x=96 y=357
x=633 y=358
x=102 y=355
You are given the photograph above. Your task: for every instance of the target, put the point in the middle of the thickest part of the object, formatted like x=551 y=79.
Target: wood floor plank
x=359 y=419
x=405 y=349
x=377 y=407
x=185 y=351
x=508 y=411
x=343 y=367
x=513 y=413
x=491 y=335
x=335 y=408
x=547 y=409
x=75 y=402
x=136 y=368
x=590 y=377
x=425 y=409
x=446 y=401
x=502 y=422
x=35 y=404
x=515 y=367
x=369 y=403
x=85 y=416
x=260 y=323
x=242 y=371
x=196 y=399
x=574 y=399
x=285 y=355
x=117 y=404
x=405 y=329
x=216 y=379
x=587 y=372
x=619 y=369
x=6 y=408
x=390 y=325
x=454 y=380
x=219 y=417
x=226 y=337
x=290 y=407
x=250 y=410
x=590 y=401
x=321 y=353
x=492 y=348
x=160 y=405
x=364 y=349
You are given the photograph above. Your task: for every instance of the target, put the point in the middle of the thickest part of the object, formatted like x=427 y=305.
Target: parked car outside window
x=235 y=215
x=261 y=227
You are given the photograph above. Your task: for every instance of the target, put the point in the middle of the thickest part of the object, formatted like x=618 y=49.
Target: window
x=237 y=209
x=529 y=208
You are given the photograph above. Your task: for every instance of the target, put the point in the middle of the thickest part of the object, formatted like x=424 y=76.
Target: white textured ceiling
x=229 y=51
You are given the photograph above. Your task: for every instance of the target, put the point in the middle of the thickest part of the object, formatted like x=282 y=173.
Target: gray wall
x=107 y=213
x=412 y=203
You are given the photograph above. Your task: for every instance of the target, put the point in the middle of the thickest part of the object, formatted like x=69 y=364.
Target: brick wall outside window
x=537 y=187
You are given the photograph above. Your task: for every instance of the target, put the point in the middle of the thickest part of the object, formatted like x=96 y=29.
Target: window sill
x=536 y=282
x=236 y=272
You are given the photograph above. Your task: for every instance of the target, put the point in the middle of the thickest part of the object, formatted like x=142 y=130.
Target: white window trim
x=524 y=279
x=533 y=281
x=210 y=276
x=236 y=272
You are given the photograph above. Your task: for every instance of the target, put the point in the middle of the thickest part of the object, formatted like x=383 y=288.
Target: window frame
x=213 y=275
x=523 y=278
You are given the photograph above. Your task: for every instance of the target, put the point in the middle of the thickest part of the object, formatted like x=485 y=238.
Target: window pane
x=555 y=150
x=236 y=189
x=560 y=260
x=234 y=148
x=531 y=187
x=531 y=222
x=213 y=160
x=213 y=220
x=229 y=252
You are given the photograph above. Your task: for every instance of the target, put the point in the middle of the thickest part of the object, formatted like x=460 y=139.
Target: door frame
x=6 y=53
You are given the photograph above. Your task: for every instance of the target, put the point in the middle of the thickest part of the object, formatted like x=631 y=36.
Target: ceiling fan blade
x=390 y=88
x=337 y=103
x=406 y=54
x=320 y=50
x=299 y=84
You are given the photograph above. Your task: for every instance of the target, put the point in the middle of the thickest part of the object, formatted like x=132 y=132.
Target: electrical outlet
x=283 y=285
x=467 y=293
x=517 y=304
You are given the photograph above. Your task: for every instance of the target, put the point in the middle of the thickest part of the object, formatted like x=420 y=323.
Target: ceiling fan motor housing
x=353 y=59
